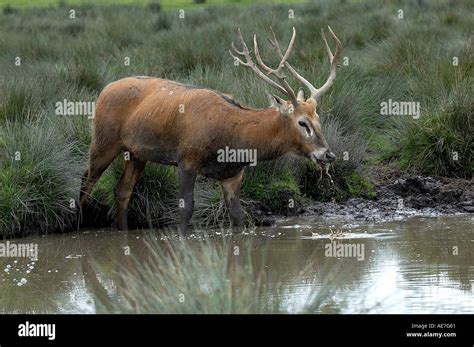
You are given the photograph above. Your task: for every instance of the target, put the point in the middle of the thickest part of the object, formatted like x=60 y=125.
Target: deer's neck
x=265 y=131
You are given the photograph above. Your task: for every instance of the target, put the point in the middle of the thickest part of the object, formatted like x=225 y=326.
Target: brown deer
x=170 y=123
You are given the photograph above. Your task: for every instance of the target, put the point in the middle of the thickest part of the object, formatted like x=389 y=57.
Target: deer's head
x=298 y=113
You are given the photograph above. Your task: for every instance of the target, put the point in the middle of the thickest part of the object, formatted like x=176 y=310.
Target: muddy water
x=415 y=265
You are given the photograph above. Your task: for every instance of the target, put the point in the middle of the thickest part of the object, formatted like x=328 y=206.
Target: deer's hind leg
x=100 y=157
x=124 y=189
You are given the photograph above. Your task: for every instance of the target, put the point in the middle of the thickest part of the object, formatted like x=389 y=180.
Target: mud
x=399 y=196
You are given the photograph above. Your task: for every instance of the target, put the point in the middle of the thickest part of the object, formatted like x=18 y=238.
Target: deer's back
x=164 y=121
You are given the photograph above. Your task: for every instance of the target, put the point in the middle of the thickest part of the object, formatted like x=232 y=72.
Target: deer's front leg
x=187 y=179
x=231 y=189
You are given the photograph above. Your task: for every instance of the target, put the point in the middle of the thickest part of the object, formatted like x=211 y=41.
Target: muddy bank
x=398 y=196
x=401 y=195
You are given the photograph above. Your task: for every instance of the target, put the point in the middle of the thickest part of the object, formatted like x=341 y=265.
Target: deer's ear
x=300 y=96
x=280 y=104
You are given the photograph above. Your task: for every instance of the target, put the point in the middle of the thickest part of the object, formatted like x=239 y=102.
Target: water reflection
x=418 y=265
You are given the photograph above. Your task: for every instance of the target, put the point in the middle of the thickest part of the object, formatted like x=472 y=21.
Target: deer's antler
x=283 y=85
x=315 y=93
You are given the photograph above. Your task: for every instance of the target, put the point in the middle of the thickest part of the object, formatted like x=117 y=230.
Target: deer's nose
x=330 y=156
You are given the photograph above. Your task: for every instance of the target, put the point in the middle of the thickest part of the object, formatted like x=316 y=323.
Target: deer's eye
x=309 y=131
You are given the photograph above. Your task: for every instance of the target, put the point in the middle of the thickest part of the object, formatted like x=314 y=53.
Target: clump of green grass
x=9 y=10
x=358 y=185
x=154 y=6
x=74 y=29
x=273 y=185
x=86 y=75
x=17 y=105
x=442 y=144
x=163 y=22
x=39 y=174
x=316 y=185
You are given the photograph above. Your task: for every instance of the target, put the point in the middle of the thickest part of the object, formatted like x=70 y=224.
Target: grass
x=153 y=4
x=388 y=58
x=38 y=169
x=442 y=143
x=274 y=185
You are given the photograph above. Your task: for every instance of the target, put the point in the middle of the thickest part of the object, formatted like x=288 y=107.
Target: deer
x=166 y=122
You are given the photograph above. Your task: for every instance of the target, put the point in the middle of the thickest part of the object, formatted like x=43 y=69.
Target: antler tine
x=259 y=59
x=328 y=49
x=333 y=59
x=274 y=42
x=242 y=41
x=249 y=63
x=289 y=49
x=277 y=48
x=235 y=49
x=284 y=58
x=278 y=72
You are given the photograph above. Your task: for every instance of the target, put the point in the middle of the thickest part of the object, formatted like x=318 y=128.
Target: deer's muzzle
x=322 y=156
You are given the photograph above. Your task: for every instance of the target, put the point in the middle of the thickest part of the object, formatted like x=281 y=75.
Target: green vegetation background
x=409 y=59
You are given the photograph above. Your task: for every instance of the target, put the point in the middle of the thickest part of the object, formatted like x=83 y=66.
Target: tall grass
x=442 y=143
x=39 y=172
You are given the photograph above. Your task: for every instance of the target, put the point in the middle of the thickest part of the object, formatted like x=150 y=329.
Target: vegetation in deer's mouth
x=388 y=58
